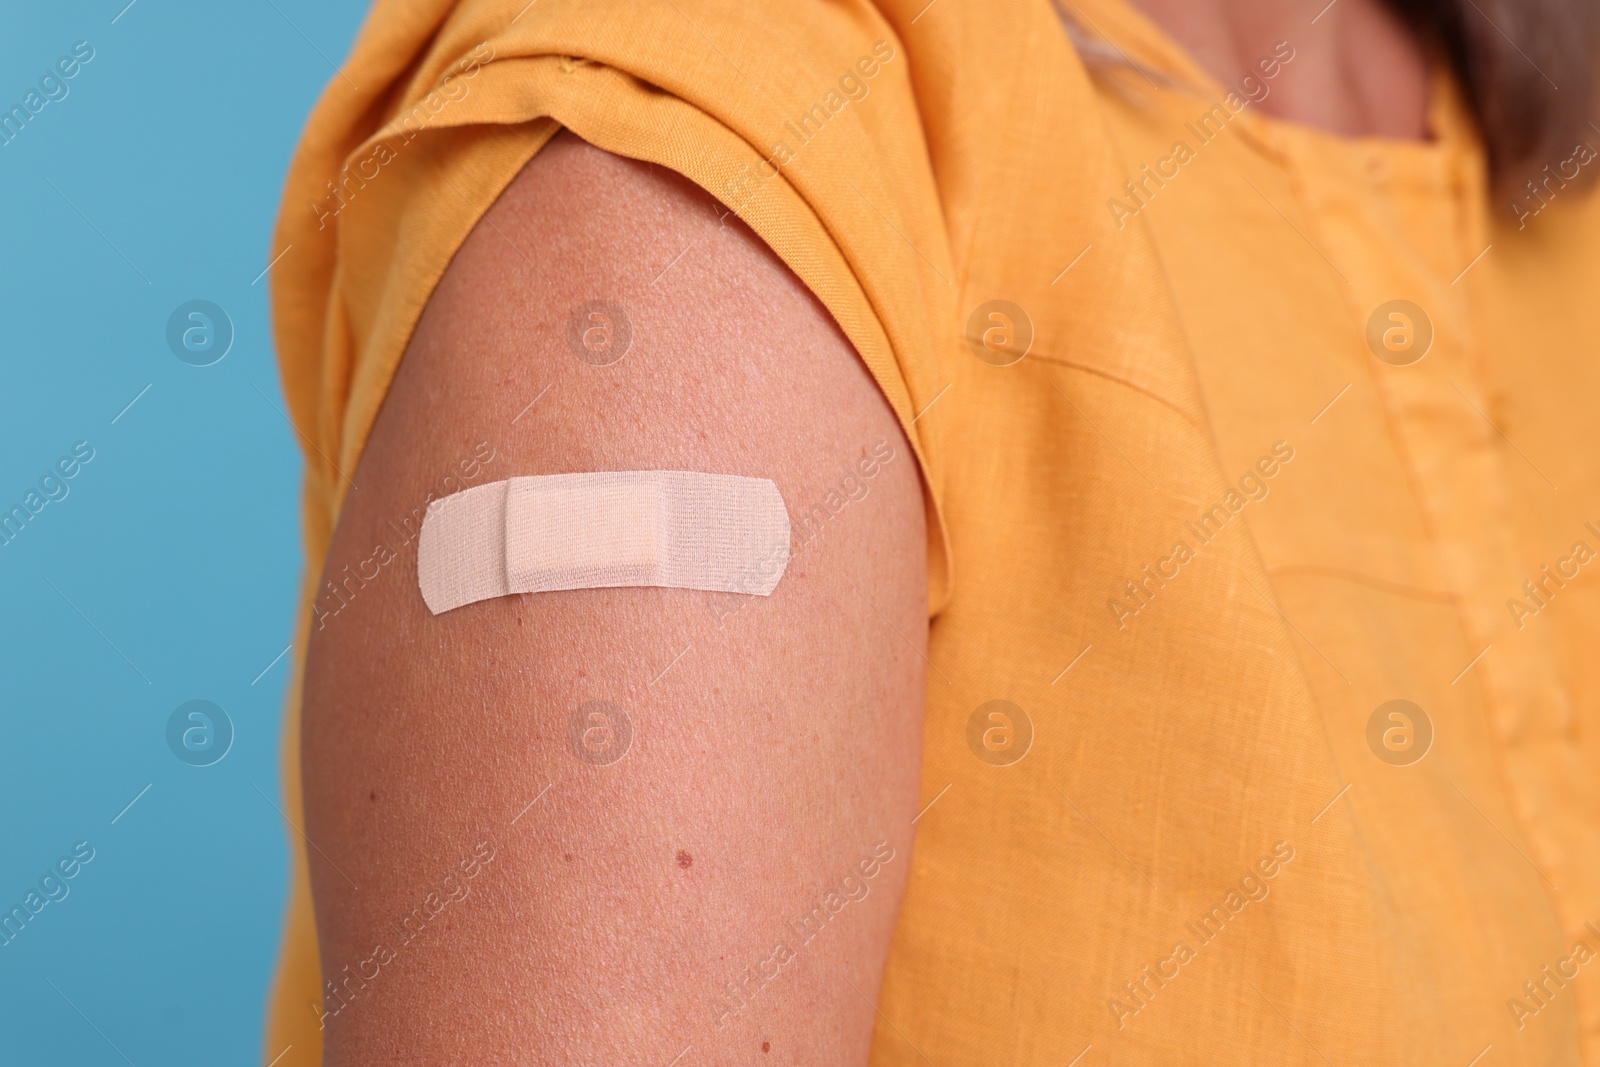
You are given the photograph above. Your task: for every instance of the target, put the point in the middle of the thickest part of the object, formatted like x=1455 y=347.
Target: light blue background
x=178 y=543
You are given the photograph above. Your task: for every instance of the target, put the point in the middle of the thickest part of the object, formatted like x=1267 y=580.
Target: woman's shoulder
x=807 y=121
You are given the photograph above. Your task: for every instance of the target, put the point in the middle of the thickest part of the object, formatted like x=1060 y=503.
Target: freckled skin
x=784 y=742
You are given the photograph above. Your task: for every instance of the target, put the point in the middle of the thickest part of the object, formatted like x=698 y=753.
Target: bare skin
x=1358 y=70
x=776 y=741
x=606 y=910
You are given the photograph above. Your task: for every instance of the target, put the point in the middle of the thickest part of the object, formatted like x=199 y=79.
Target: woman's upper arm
x=715 y=862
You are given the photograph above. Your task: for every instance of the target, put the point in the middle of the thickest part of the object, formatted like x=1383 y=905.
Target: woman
x=1183 y=416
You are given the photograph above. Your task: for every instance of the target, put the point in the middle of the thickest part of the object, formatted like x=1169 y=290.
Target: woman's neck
x=1359 y=70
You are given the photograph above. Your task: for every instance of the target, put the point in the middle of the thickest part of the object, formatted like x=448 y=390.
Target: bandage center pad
x=544 y=533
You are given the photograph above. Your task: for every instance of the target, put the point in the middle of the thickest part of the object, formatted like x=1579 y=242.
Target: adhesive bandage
x=539 y=534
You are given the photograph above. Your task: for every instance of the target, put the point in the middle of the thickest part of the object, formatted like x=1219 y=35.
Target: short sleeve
x=799 y=118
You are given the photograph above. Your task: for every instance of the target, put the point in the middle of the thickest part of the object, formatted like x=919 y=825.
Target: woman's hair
x=1526 y=67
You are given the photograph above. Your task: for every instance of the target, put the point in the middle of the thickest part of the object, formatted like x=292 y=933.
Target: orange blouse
x=1264 y=502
